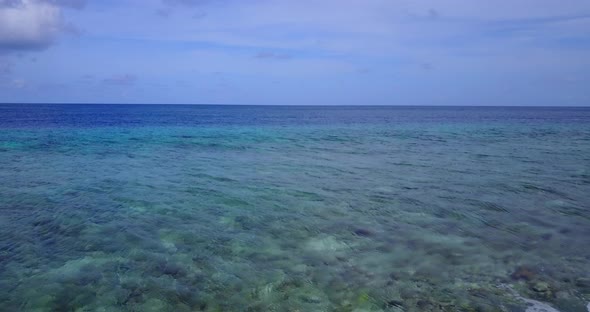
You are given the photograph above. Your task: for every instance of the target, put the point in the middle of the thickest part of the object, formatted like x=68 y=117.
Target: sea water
x=253 y=208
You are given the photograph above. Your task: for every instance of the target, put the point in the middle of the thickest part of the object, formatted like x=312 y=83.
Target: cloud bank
x=32 y=24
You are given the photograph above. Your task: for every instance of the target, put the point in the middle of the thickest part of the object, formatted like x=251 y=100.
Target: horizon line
x=300 y=105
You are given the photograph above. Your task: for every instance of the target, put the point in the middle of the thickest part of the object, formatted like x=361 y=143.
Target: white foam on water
x=588 y=306
x=537 y=306
x=534 y=305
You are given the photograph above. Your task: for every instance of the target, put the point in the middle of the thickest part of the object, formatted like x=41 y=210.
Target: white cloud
x=28 y=24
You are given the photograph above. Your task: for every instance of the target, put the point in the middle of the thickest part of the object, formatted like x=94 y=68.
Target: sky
x=296 y=52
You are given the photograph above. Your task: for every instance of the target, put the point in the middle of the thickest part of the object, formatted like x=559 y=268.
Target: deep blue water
x=84 y=116
x=254 y=208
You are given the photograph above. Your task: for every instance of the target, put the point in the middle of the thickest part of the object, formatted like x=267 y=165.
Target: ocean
x=293 y=208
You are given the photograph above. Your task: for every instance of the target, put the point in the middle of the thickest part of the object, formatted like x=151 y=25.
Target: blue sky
x=308 y=52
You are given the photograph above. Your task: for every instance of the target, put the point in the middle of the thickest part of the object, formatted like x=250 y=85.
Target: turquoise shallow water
x=187 y=208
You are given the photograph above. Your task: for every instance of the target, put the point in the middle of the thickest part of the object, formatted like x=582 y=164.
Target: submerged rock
x=523 y=273
x=425 y=305
x=541 y=287
x=583 y=283
x=363 y=232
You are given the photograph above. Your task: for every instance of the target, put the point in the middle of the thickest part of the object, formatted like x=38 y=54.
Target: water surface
x=251 y=208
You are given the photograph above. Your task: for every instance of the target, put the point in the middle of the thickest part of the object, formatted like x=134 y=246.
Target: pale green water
x=267 y=209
